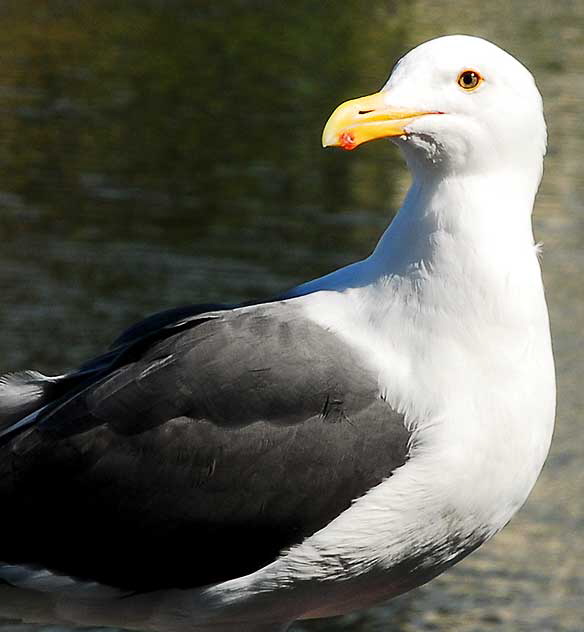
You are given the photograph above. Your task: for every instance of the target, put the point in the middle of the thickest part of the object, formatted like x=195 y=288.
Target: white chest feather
x=466 y=356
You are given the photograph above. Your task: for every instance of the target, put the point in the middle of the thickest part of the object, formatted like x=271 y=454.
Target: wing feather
x=200 y=454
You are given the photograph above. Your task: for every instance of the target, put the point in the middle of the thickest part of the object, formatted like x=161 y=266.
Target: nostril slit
x=365 y=111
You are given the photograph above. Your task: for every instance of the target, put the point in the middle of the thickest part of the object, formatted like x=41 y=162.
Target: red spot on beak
x=347 y=141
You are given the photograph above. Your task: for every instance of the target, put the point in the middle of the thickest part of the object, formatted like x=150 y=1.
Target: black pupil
x=468 y=78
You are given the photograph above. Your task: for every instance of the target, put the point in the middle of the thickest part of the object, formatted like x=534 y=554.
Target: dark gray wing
x=201 y=456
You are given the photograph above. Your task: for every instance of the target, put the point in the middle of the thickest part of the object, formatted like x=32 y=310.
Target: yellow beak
x=360 y=120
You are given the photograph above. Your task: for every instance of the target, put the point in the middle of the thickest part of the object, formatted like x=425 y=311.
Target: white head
x=456 y=104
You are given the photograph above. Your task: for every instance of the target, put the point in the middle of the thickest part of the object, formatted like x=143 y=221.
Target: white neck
x=469 y=211
x=445 y=222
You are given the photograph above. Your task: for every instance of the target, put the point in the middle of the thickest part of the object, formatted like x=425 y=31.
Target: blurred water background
x=160 y=153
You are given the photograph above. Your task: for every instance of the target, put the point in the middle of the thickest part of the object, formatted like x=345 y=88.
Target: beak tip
x=327 y=138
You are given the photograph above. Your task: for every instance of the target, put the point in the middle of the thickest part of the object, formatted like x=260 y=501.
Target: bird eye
x=469 y=79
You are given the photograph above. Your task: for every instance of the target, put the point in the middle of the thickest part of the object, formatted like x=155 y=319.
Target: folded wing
x=197 y=455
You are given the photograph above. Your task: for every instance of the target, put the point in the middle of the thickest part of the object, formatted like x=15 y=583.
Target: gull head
x=455 y=105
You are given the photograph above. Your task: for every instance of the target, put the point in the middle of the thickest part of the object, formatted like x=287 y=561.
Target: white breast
x=470 y=366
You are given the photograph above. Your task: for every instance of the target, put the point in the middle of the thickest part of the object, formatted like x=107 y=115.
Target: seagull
x=228 y=468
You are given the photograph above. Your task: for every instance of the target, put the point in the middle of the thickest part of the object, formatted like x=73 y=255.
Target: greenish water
x=155 y=154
